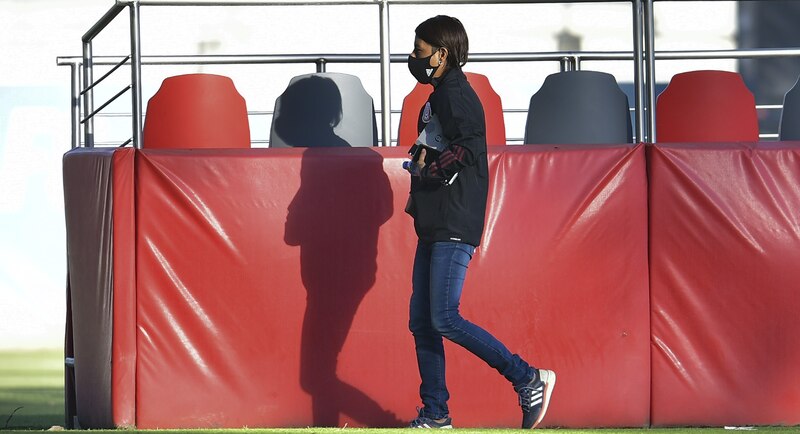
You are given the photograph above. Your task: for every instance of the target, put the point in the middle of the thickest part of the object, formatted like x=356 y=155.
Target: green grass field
x=33 y=383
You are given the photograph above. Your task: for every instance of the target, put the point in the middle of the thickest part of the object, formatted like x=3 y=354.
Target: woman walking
x=449 y=187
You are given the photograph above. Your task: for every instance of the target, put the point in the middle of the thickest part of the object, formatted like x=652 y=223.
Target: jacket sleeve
x=465 y=130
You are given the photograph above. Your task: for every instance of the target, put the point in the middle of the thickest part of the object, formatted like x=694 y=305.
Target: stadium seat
x=580 y=107
x=326 y=109
x=706 y=106
x=790 y=116
x=492 y=109
x=196 y=111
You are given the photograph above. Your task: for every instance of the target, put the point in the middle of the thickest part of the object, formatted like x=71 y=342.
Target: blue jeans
x=439 y=272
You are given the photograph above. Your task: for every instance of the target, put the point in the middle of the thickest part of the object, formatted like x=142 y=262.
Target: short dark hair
x=442 y=31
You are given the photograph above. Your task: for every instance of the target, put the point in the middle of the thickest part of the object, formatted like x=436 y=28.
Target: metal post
x=88 y=97
x=566 y=64
x=386 y=103
x=321 y=65
x=136 y=75
x=75 y=120
x=650 y=82
x=638 y=74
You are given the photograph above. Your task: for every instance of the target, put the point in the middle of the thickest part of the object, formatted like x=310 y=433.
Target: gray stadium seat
x=578 y=107
x=325 y=109
x=790 y=116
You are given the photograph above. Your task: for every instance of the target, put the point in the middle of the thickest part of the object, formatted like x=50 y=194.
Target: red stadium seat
x=706 y=106
x=196 y=111
x=492 y=108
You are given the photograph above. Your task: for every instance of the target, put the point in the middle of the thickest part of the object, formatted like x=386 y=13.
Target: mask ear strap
x=445 y=52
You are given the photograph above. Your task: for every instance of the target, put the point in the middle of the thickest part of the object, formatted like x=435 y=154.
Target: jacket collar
x=449 y=75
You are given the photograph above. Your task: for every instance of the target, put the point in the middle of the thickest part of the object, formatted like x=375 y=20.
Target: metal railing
x=643 y=57
x=568 y=61
x=384 y=56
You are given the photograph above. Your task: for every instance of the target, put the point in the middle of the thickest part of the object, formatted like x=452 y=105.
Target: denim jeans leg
x=429 y=348
x=448 y=269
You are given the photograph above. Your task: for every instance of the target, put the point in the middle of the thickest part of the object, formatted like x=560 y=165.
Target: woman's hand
x=415 y=167
x=420 y=162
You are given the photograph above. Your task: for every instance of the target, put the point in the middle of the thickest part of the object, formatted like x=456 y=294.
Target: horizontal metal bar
x=727 y=54
x=108 y=144
x=71 y=60
x=104 y=21
x=348 y=2
x=339 y=58
x=518 y=140
x=127 y=88
x=396 y=111
x=117 y=66
x=113 y=115
x=399 y=58
x=257 y=3
x=364 y=2
x=479 y=2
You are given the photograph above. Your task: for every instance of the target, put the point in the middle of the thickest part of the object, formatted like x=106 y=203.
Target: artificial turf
x=32 y=399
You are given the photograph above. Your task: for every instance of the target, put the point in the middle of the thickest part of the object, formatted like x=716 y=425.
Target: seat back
x=196 y=111
x=492 y=109
x=325 y=109
x=790 y=116
x=706 y=106
x=579 y=107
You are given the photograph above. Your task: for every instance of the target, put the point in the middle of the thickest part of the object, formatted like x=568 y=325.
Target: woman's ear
x=443 y=57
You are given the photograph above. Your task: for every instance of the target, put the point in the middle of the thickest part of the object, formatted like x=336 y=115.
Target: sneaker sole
x=549 y=380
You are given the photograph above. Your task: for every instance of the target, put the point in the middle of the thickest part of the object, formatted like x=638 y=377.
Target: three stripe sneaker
x=534 y=397
x=423 y=421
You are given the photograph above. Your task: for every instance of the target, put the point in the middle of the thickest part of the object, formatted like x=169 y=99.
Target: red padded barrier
x=284 y=301
x=123 y=346
x=724 y=236
x=196 y=111
x=492 y=110
x=706 y=106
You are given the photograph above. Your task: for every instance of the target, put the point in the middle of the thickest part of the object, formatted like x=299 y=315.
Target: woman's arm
x=465 y=134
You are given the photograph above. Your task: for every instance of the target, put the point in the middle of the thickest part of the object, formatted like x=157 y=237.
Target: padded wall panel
x=273 y=287
x=562 y=280
x=226 y=274
x=87 y=203
x=724 y=280
x=123 y=370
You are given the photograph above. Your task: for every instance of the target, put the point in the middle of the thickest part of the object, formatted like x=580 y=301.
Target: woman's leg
x=430 y=351
x=448 y=268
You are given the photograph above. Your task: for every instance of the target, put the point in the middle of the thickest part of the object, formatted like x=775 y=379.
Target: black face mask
x=421 y=68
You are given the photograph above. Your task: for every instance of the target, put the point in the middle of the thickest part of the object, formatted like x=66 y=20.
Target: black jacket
x=453 y=212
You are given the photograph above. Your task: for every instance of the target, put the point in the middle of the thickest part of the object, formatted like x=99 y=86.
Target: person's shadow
x=307 y=113
x=343 y=199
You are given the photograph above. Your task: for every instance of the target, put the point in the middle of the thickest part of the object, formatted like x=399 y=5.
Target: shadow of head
x=307 y=113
